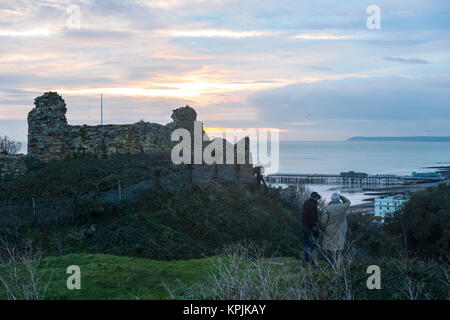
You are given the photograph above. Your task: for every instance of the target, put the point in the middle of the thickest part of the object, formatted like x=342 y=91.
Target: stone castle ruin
x=51 y=138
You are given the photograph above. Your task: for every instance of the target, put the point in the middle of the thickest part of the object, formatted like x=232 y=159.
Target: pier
x=354 y=179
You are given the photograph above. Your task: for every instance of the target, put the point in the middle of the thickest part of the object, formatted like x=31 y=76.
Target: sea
x=372 y=157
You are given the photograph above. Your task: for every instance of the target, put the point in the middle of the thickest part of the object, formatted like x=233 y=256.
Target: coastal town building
x=390 y=204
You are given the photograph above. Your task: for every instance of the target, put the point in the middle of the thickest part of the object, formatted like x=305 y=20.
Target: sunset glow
x=316 y=72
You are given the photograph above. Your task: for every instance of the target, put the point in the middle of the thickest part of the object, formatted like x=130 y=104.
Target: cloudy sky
x=311 y=68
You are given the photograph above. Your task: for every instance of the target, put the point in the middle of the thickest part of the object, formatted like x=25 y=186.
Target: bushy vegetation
x=60 y=209
x=420 y=230
x=240 y=274
x=49 y=206
x=21 y=275
x=374 y=241
x=423 y=225
x=82 y=175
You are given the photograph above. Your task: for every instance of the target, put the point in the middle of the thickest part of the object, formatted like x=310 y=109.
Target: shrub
x=21 y=273
x=55 y=202
x=239 y=274
x=424 y=224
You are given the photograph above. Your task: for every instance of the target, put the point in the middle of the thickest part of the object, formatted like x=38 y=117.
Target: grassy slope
x=187 y=224
x=113 y=277
x=161 y=224
x=124 y=278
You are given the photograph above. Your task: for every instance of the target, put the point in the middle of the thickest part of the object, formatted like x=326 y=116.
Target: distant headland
x=417 y=139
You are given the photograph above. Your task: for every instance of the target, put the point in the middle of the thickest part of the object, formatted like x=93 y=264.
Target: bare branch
x=9 y=146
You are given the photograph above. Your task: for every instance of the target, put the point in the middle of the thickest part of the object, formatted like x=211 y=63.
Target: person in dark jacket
x=310 y=228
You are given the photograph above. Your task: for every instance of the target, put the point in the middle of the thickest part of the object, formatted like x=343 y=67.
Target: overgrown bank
x=112 y=215
x=69 y=206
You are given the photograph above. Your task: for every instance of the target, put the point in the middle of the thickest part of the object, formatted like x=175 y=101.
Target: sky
x=313 y=69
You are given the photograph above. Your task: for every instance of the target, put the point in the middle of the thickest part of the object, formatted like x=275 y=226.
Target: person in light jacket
x=333 y=222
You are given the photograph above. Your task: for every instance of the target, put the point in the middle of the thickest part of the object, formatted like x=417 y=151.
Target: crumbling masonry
x=51 y=138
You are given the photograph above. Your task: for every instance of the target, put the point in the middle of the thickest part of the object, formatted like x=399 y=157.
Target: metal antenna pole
x=101 y=102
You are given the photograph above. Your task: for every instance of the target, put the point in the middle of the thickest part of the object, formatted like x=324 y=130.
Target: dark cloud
x=374 y=99
x=407 y=61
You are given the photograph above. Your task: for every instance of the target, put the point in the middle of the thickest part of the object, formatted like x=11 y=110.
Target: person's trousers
x=309 y=246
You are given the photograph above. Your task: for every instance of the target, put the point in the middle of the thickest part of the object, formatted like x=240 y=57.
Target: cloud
x=226 y=33
x=407 y=61
x=320 y=68
x=322 y=36
x=374 y=99
x=305 y=123
x=96 y=34
x=214 y=33
x=226 y=57
x=25 y=33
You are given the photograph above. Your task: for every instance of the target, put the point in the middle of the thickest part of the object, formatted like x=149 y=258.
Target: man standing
x=333 y=224
x=310 y=228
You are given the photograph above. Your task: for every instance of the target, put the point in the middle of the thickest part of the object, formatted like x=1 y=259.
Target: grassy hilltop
x=73 y=206
x=166 y=238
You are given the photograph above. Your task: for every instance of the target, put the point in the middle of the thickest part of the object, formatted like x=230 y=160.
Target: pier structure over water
x=350 y=178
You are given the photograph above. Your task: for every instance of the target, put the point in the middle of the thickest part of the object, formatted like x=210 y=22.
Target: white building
x=389 y=204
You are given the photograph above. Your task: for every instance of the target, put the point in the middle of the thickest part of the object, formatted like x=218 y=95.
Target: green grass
x=113 y=277
x=129 y=278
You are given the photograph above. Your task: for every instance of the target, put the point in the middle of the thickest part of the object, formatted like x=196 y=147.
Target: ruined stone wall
x=51 y=138
x=12 y=165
